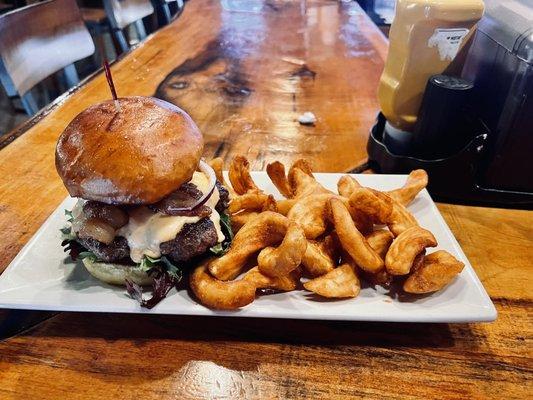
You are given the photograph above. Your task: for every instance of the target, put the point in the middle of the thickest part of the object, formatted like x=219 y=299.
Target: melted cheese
x=78 y=218
x=146 y=229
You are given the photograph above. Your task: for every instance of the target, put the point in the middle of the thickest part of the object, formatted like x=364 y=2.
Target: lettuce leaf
x=76 y=250
x=166 y=276
x=163 y=283
x=68 y=213
x=221 y=248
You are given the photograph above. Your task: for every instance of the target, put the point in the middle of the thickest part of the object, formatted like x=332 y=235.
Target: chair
x=98 y=25
x=37 y=41
x=122 y=13
x=166 y=10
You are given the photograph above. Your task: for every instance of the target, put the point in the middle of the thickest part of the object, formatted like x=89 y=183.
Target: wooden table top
x=245 y=78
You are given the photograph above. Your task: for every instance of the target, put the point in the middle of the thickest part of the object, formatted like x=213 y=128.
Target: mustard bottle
x=425 y=37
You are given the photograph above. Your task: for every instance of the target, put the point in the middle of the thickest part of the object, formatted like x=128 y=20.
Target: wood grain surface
x=245 y=78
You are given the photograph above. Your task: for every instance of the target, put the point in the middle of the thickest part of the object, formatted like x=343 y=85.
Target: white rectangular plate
x=41 y=277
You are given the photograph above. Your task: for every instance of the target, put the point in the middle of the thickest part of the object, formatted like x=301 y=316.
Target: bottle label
x=447 y=41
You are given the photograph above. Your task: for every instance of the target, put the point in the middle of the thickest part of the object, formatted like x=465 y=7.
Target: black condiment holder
x=454 y=178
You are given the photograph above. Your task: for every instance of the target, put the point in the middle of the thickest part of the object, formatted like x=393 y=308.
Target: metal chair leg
x=8 y=84
x=71 y=75
x=165 y=14
x=121 y=40
x=29 y=103
x=141 y=31
x=162 y=12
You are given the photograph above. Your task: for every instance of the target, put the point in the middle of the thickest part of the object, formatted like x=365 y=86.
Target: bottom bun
x=116 y=274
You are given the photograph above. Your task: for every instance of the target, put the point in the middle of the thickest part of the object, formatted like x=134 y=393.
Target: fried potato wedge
x=352 y=240
x=265 y=229
x=362 y=221
x=276 y=172
x=284 y=206
x=342 y=282
x=221 y=295
x=381 y=278
x=418 y=261
x=280 y=261
x=400 y=219
x=310 y=213
x=218 y=166
x=320 y=257
x=304 y=185
x=239 y=176
x=270 y=204
x=238 y=220
x=375 y=204
x=252 y=201
x=406 y=247
x=416 y=181
x=282 y=283
x=303 y=165
x=380 y=242
x=437 y=270
x=346 y=185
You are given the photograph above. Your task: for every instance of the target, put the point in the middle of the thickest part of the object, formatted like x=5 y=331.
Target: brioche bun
x=137 y=155
x=116 y=274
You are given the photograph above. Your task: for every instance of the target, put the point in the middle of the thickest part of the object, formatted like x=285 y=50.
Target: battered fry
x=406 y=247
x=352 y=240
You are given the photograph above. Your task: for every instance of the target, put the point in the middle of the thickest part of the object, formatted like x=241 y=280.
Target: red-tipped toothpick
x=109 y=78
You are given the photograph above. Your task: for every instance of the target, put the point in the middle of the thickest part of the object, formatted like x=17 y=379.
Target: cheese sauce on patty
x=147 y=229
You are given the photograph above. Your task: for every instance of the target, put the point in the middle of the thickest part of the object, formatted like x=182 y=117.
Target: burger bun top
x=137 y=153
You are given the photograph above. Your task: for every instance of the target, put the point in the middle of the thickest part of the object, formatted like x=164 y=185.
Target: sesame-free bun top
x=136 y=155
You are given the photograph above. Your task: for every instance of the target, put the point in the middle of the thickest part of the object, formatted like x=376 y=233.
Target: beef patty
x=116 y=251
x=193 y=240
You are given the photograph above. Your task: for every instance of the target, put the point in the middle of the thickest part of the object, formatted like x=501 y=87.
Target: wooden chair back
x=122 y=13
x=39 y=40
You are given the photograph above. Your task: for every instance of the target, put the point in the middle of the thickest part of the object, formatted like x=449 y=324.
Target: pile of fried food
x=329 y=239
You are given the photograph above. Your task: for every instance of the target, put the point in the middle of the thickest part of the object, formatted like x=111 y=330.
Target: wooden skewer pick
x=109 y=78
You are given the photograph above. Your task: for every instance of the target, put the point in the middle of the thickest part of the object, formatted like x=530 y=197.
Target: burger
x=148 y=205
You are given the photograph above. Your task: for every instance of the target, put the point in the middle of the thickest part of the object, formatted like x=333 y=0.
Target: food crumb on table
x=307 y=118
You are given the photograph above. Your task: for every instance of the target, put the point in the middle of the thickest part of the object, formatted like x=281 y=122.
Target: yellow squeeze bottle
x=425 y=37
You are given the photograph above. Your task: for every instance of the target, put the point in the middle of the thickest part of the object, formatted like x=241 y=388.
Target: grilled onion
x=189 y=209
x=112 y=215
x=97 y=229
